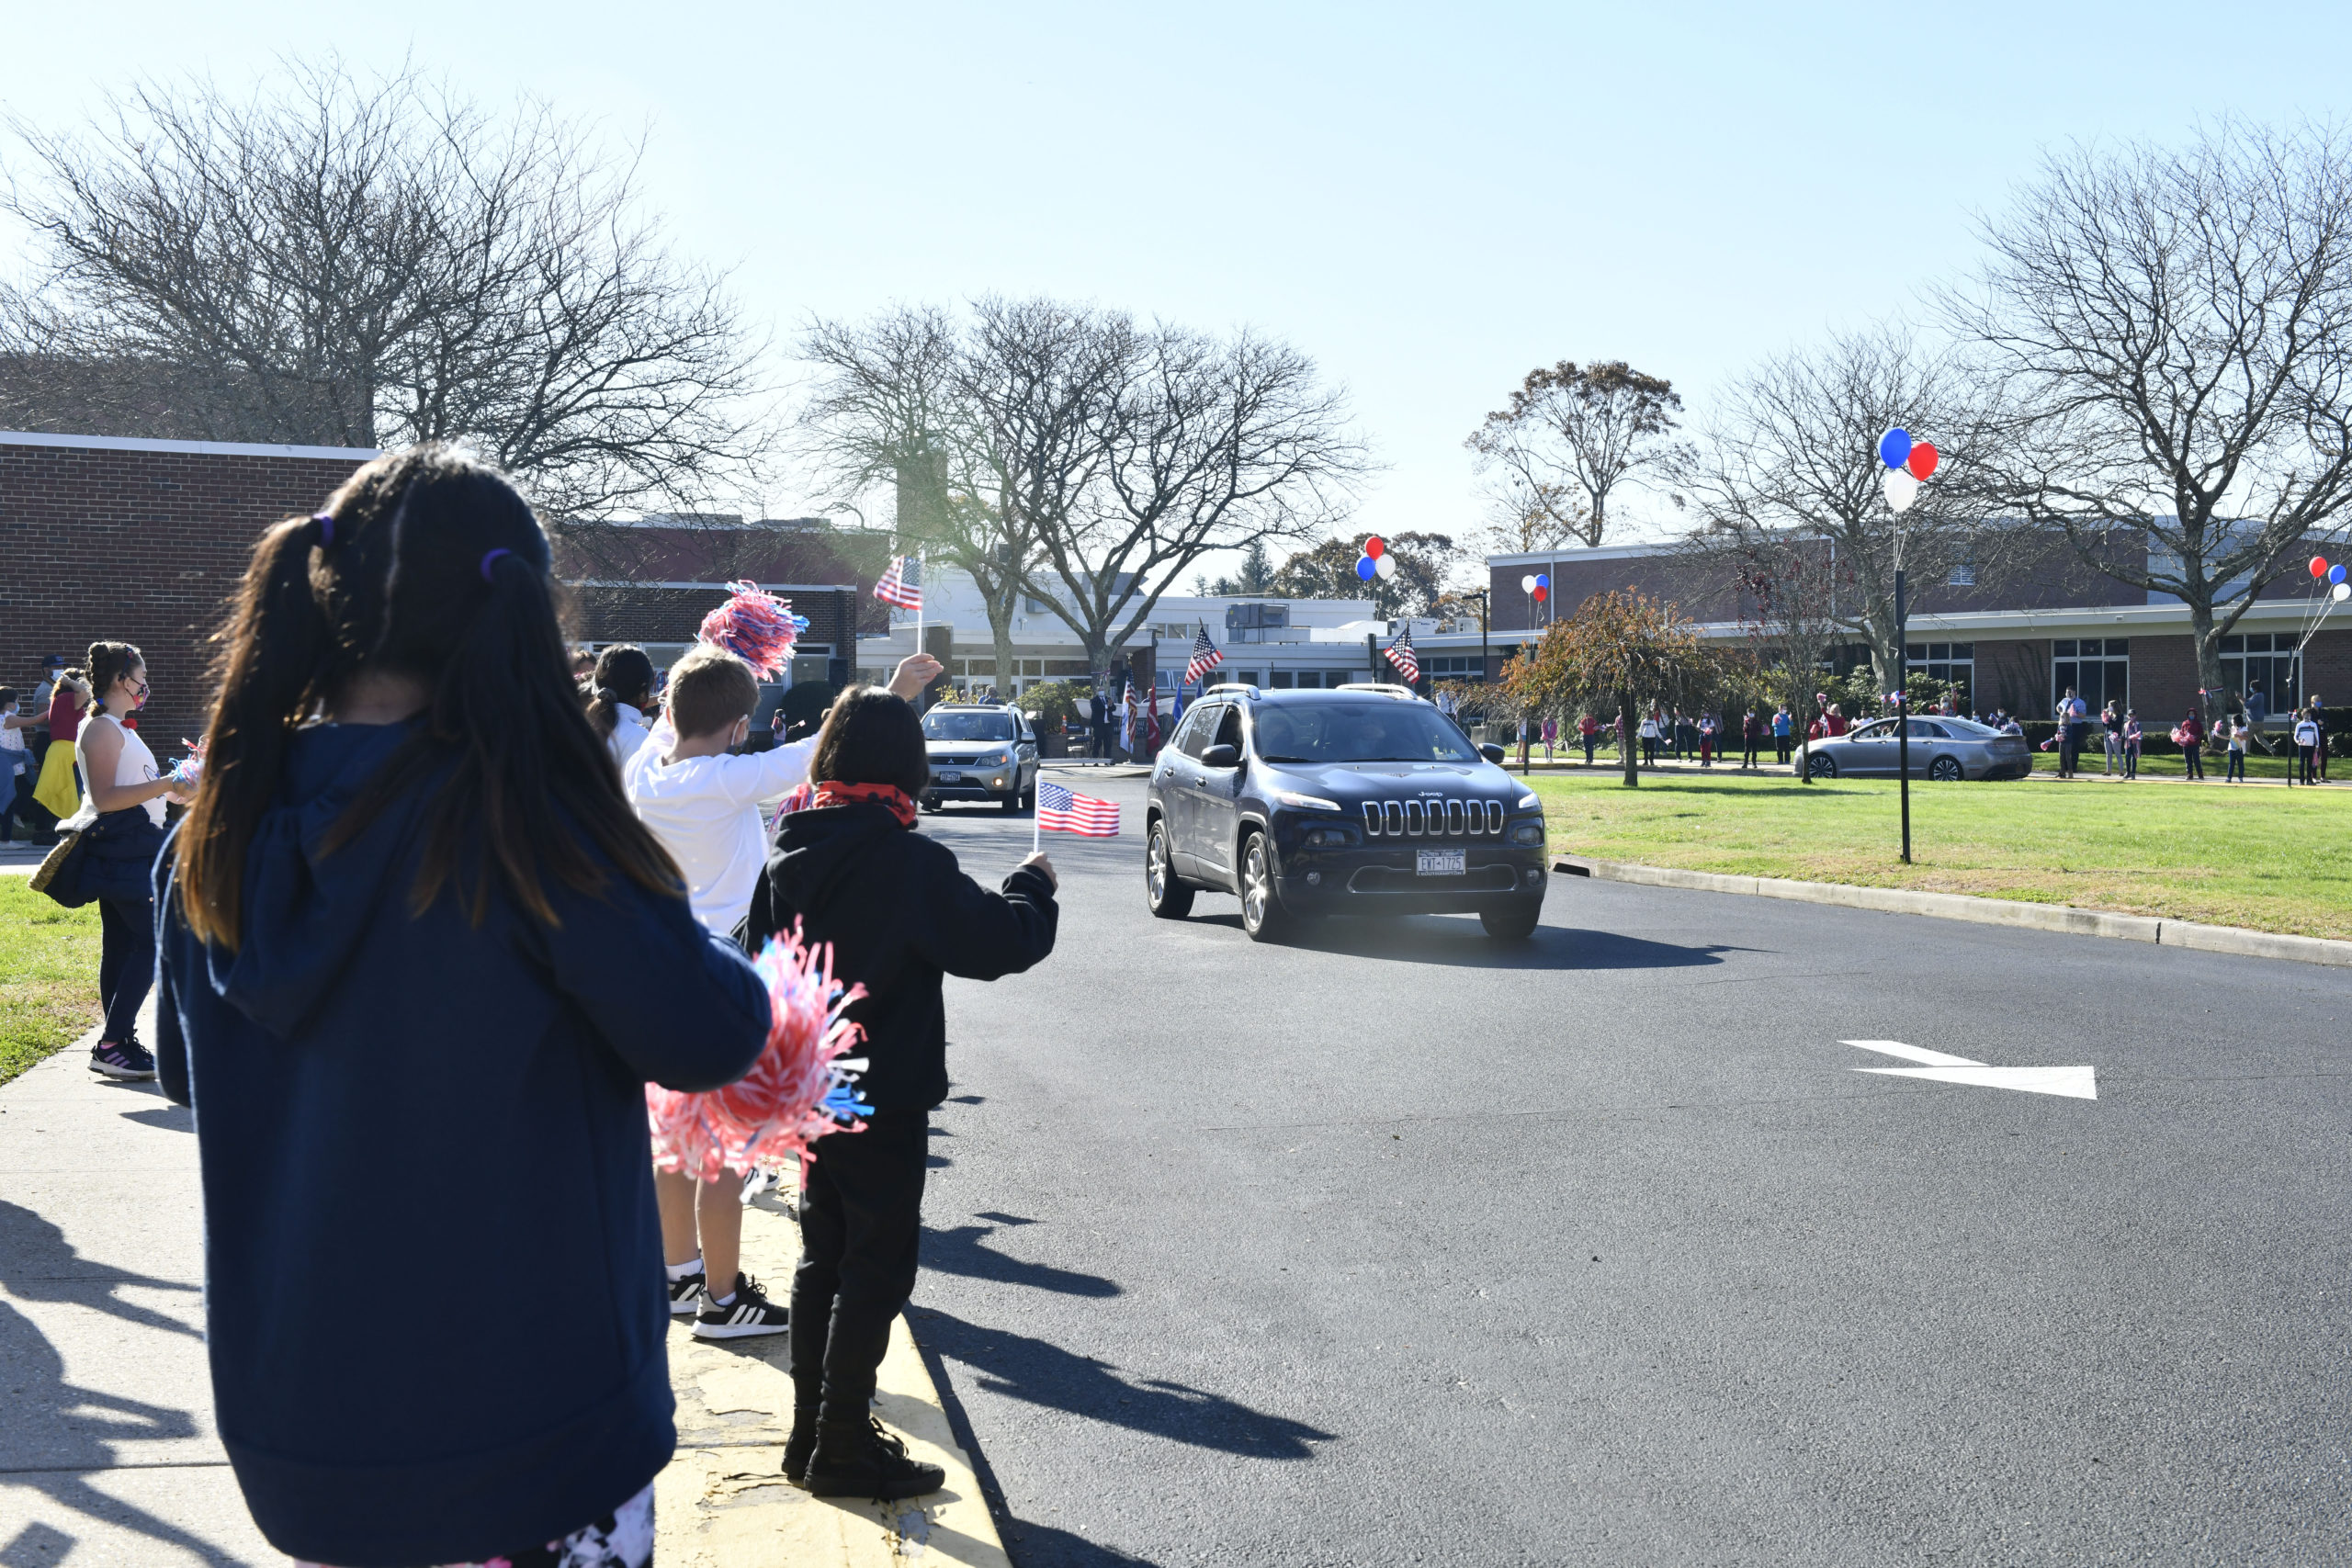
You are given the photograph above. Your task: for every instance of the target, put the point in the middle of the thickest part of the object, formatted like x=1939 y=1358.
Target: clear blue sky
x=1431 y=201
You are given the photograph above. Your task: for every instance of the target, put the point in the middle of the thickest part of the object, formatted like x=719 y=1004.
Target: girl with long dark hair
x=122 y=827
x=405 y=936
x=620 y=696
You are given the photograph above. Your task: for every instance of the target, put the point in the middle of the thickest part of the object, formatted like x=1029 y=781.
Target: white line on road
x=2074 y=1083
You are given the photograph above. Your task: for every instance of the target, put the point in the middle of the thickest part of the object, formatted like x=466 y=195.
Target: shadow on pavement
x=1043 y=1546
x=1041 y=1373
x=1459 y=941
x=960 y=1251
x=78 y=1427
x=171 y=1118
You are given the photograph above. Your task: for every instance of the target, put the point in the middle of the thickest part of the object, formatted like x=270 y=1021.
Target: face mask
x=139 y=695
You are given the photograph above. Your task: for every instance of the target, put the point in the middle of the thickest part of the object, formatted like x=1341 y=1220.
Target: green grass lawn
x=49 y=974
x=2272 y=858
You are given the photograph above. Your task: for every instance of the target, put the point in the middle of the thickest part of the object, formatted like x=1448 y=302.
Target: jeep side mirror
x=1492 y=752
x=1221 y=757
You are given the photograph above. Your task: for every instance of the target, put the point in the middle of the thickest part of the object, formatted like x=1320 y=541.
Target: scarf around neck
x=828 y=792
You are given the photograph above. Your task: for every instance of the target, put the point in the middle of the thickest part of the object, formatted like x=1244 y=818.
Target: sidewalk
x=107 y=1452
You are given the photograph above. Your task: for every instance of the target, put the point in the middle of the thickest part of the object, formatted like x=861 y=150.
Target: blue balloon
x=1543 y=579
x=2336 y=574
x=1895 y=448
x=1365 y=567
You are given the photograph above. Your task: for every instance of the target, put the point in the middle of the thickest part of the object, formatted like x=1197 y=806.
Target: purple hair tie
x=325 y=520
x=490 y=555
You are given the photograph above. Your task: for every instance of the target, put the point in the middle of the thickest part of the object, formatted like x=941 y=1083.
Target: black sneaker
x=122 y=1059
x=748 y=1314
x=685 y=1294
x=860 y=1458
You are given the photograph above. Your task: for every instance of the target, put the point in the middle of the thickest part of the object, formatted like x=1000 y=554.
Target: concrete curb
x=1983 y=912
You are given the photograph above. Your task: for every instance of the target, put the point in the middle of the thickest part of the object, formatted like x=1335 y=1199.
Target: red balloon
x=2319 y=566
x=1924 y=459
x=1374 y=547
x=1542 y=595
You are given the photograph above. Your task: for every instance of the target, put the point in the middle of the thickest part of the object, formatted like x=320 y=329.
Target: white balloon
x=1527 y=584
x=1386 y=566
x=2341 y=592
x=1902 y=489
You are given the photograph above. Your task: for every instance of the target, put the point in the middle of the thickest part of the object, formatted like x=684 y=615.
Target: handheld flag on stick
x=1400 y=654
x=1205 y=658
x=1062 y=811
x=894 y=587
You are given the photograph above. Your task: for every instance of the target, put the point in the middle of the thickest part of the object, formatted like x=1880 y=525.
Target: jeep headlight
x=1305 y=802
x=1530 y=832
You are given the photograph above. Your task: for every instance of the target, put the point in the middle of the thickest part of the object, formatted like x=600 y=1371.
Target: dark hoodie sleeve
x=681 y=1006
x=966 y=929
x=170 y=1045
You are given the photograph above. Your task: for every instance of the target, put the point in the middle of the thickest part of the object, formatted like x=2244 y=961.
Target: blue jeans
x=2237 y=767
x=16 y=793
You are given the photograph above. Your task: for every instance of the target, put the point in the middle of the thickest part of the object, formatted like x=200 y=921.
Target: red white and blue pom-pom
x=190 y=767
x=803 y=1086
x=758 y=629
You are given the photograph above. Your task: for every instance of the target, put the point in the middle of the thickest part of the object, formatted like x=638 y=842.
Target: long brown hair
x=624 y=674
x=427 y=564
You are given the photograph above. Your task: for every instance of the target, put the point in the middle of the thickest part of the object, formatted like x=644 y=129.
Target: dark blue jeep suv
x=1362 y=800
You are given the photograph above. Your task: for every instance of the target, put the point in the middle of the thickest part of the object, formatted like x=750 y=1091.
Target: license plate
x=1440 y=862
x=950 y=778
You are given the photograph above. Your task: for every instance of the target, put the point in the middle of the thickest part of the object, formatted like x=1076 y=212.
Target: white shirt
x=705 y=811
x=629 y=733
x=134 y=764
x=2306 y=733
x=13 y=740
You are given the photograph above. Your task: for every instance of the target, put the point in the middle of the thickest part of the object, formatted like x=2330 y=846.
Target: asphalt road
x=1397 y=1247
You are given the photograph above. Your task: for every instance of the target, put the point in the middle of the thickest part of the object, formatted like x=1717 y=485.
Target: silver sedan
x=1941 y=748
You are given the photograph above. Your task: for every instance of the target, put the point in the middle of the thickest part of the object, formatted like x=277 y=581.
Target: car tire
x=1820 y=765
x=1011 y=803
x=1948 y=770
x=1029 y=796
x=1515 y=922
x=1167 y=894
x=1262 y=915
x=931 y=804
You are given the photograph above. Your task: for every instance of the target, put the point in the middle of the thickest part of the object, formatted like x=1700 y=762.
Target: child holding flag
x=899 y=915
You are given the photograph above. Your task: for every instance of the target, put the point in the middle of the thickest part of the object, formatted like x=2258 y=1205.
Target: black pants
x=1649 y=753
x=861 y=1224
x=125 y=962
x=2308 y=757
x=2192 y=760
x=1781 y=745
x=1589 y=742
x=1749 y=759
x=2237 y=767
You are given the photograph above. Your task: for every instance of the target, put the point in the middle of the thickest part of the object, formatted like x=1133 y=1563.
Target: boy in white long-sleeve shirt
x=703 y=803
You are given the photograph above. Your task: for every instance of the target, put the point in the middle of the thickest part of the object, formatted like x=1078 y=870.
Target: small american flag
x=894 y=588
x=1061 y=811
x=1205 y=657
x=1400 y=654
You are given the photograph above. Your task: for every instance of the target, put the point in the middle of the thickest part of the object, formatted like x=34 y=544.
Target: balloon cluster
x=2332 y=576
x=1376 y=562
x=1908 y=464
x=1537 y=585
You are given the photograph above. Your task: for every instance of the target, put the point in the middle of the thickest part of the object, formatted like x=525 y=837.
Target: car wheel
x=1946 y=769
x=1029 y=796
x=1262 y=915
x=1821 y=765
x=1511 y=922
x=1169 y=898
x=931 y=804
x=1012 y=803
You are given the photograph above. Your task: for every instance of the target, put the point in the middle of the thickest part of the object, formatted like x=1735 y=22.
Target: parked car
x=981 y=752
x=1359 y=800
x=1941 y=748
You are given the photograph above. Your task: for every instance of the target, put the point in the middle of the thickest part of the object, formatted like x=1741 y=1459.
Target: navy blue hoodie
x=432 y=1263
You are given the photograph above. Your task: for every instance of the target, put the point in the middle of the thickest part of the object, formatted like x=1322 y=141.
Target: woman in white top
x=123 y=823
x=621 y=694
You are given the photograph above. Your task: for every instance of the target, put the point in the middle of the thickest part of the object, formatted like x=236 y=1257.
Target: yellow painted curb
x=723 y=1502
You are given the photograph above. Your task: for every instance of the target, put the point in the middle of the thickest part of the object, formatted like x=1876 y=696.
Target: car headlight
x=1527 y=833
x=1527 y=802
x=1305 y=802
x=994 y=759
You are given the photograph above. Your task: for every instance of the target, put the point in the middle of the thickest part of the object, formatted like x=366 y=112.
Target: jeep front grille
x=1434 y=818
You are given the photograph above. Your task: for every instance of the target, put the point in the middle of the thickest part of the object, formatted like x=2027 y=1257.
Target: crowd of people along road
x=428 y=925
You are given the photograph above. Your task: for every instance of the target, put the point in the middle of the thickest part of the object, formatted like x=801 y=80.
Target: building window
x=1235 y=678
x=1283 y=681
x=2267 y=662
x=1455 y=667
x=2099 y=669
x=1953 y=664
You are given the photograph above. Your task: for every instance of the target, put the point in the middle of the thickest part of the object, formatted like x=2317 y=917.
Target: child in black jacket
x=898 y=914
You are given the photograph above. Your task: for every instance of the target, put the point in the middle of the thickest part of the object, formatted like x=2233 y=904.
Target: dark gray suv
x=1357 y=801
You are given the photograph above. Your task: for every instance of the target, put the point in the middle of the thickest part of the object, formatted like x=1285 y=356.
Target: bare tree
x=1200 y=444
x=371 y=262
x=2170 y=333
x=1789 y=595
x=1571 y=435
x=1794 y=450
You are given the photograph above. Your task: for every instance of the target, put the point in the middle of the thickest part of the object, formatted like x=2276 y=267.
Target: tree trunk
x=1000 y=631
x=2211 y=697
x=1625 y=741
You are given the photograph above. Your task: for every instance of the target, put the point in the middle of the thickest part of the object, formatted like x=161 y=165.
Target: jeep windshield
x=948 y=724
x=1374 y=731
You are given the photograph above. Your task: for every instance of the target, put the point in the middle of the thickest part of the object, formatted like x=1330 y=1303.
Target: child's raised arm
x=968 y=930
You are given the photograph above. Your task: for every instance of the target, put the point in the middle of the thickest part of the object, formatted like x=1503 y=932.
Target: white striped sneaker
x=750 y=1313
x=685 y=1294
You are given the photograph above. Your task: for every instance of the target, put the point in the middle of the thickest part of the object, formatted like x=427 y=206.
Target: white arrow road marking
x=2075 y=1083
